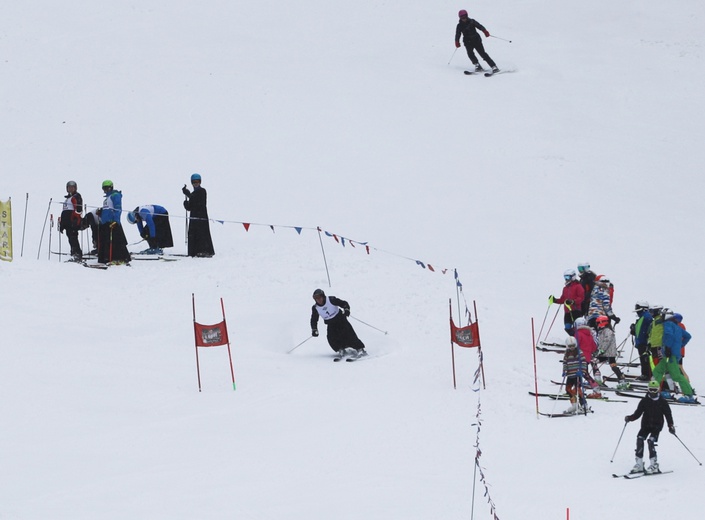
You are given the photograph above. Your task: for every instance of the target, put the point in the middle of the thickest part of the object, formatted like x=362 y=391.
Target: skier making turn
x=340 y=333
x=652 y=409
x=472 y=40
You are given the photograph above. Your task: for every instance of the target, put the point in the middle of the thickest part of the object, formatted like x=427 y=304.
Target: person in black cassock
x=340 y=334
x=70 y=220
x=472 y=40
x=199 y=231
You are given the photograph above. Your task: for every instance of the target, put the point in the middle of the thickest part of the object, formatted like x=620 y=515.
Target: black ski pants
x=476 y=45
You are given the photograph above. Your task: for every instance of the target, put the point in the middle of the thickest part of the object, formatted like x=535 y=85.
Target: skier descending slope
x=340 y=333
x=472 y=40
x=652 y=409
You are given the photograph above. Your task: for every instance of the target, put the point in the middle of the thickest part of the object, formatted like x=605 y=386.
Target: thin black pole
x=24 y=224
x=325 y=262
x=43 y=228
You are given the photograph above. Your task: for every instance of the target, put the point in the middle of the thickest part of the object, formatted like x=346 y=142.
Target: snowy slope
x=347 y=117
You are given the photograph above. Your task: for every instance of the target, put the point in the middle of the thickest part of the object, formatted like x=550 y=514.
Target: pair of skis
x=631 y=476
x=486 y=74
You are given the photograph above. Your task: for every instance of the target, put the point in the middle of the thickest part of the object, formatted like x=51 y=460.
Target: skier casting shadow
x=340 y=333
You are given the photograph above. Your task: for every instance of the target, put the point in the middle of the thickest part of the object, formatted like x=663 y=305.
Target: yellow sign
x=6 y=230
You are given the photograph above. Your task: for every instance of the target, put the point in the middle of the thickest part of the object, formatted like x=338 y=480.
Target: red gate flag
x=211 y=336
x=465 y=336
x=468 y=337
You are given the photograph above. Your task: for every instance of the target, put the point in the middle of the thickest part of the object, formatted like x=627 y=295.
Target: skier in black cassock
x=199 y=231
x=340 y=334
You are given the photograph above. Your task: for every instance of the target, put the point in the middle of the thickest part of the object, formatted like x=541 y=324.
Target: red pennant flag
x=247 y=226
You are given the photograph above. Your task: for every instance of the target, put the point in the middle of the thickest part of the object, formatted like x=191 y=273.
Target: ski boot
x=623 y=385
x=639 y=466
x=573 y=409
x=653 y=467
x=478 y=68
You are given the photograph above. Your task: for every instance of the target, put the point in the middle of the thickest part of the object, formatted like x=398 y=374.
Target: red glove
x=457 y=45
x=487 y=34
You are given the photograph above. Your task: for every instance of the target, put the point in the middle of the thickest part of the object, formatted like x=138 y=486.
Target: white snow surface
x=348 y=117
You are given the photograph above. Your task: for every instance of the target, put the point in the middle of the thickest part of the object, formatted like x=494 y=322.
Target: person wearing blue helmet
x=153 y=225
x=199 y=233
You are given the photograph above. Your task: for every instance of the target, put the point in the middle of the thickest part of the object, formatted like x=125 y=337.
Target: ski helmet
x=668 y=314
x=195 y=177
x=570 y=342
x=654 y=387
x=603 y=279
x=580 y=322
x=584 y=266
x=107 y=184
x=641 y=305
x=569 y=274
x=462 y=13
x=655 y=309
x=677 y=317
x=131 y=217
x=318 y=293
x=71 y=184
x=602 y=321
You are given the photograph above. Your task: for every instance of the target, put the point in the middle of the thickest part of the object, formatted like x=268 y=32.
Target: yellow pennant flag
x=6 y=230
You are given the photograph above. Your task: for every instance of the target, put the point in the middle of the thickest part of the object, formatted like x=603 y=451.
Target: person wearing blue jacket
x=153 y=225
x=674 y=339
x=112 y=244
x=640 y=331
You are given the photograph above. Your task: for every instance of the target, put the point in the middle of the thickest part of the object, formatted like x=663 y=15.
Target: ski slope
x=351 y=118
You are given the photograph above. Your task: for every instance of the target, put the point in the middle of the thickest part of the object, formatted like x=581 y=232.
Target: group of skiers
x=108 y=236
x=659 y=336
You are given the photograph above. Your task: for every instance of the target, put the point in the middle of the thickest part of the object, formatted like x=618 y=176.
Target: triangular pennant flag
x=272 y=228
x=342 y=241
x=430 y=268
x=368 y=249
x=419 y=262
x=298 y=230
x=247 y=226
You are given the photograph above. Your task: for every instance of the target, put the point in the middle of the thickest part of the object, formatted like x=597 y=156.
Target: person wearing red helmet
x=472 y=41
x=607 y=350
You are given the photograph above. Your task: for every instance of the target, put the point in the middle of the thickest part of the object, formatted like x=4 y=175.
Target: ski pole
x=686 y=447
x=24 y=223
x=551 y=325
x=43 y=229
x=544 y=319
x=297 y=346
x=452 y=55
x=370 y=326
x=555 y=399
x=620 y=440
x=504 y=40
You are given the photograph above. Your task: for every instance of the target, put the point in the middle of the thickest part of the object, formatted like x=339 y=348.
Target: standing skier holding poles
x=652 y=409
x=472 y=40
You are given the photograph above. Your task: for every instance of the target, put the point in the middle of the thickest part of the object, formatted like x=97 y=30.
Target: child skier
x=607 y=351
x=652 y=409
x=574 y=368
x=587 y=343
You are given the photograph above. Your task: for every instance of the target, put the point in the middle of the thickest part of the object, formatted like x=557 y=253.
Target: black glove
x=626 y=418
x=632 y=329
x=145 y=234
x=314 y=333
x=569 y=303
x=672 y=429
x=99 y=211
x=186 y=205
x=186 y=191
x=615 y=319
x=346 y=311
